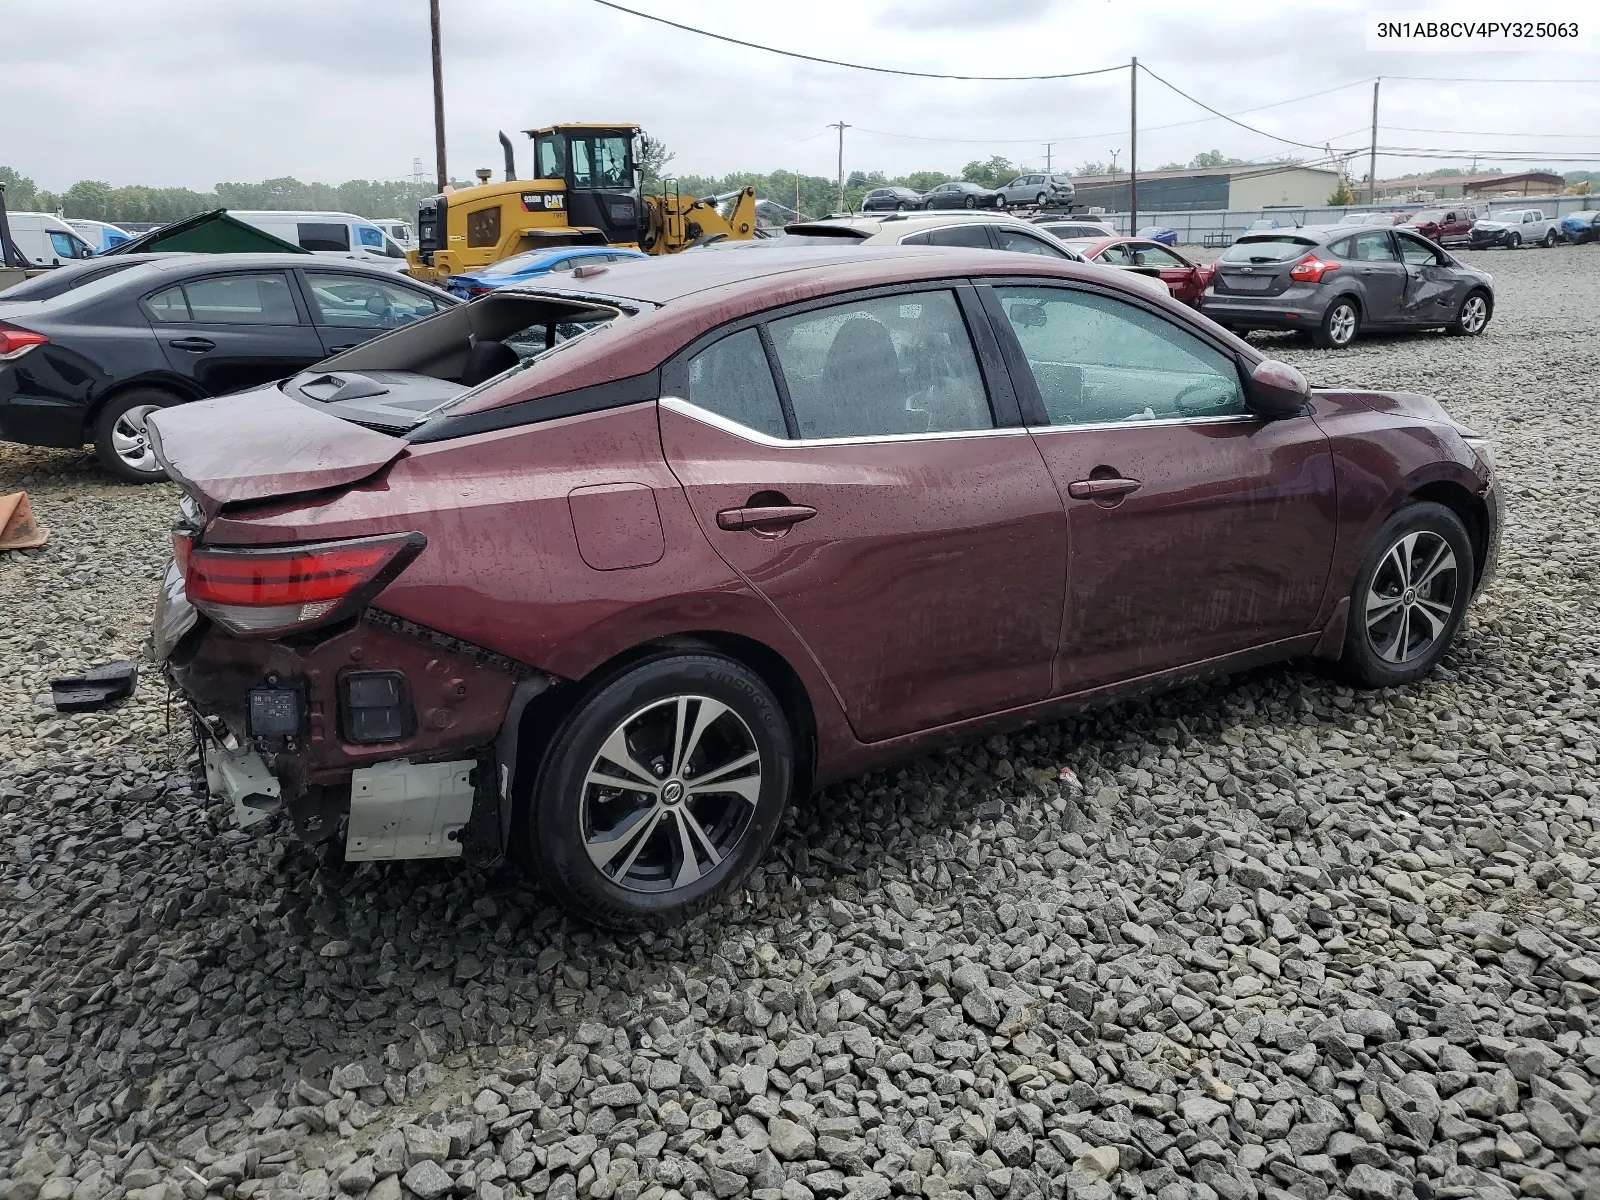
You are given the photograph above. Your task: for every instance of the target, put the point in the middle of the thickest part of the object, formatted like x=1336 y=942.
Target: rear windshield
x=1270 y=247
x=63 y=280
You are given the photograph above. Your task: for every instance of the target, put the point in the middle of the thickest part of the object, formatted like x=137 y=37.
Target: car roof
x=686 y=295
x=870 y=224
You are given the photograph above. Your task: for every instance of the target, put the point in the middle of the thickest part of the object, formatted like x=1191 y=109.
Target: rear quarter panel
x=503 y=567
x=1383 y=454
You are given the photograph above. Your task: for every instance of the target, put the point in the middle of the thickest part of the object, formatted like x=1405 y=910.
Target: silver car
x=1038 y=189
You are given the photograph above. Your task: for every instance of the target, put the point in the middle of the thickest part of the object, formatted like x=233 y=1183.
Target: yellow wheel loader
x=585 y=190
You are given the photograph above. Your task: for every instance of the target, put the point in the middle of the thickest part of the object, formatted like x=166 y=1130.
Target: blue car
x=1582 y=226
x=1160 y=233
x=535 y=264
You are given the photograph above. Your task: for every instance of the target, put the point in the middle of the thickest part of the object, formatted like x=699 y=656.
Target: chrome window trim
x=1225 y=419
x=679 y=405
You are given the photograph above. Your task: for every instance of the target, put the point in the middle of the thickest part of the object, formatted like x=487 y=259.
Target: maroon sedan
x=716 y=530
x=1185 y=278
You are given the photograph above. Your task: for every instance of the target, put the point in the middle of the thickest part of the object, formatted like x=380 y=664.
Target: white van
x=335 y=234
x=45 y=240
x=399 y=230
x=101 y=235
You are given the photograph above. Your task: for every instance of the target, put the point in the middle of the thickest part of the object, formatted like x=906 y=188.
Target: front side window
x=733 y=380
x=891 y=365
x=600 y=162
x=320 y=235
x=1098 y=360
x=1154 y=256
x=1414 y=251
x=361 y=302
x=370 y=236
x=69 y=245
x=1026 y=243
x=242 y=300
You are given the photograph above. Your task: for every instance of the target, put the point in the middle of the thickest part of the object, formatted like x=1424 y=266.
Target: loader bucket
x=18 y=529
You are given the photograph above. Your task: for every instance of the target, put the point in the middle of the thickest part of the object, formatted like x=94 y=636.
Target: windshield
x=1356 y=218
x=1431 y=216
x=528 y=260
x=1266 y=249
x=601 y=161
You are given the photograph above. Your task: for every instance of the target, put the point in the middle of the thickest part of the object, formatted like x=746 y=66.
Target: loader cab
x=595 y=163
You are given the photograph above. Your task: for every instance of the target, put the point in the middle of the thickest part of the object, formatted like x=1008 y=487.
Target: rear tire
x=654 y=854
x=900 y=207
x=972 y=202
x=1473 y=316
x=121 y=439
x=1409 y=597
x=1549 y=239
x=1339 y=326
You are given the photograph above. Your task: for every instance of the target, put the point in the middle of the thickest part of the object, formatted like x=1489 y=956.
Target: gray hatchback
x=1334 y=282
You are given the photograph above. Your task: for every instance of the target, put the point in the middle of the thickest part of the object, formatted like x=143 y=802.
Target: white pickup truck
x=1515 y=228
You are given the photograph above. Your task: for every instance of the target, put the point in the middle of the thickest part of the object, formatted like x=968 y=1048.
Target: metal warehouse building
x=1526 y=183
x=1265 y=185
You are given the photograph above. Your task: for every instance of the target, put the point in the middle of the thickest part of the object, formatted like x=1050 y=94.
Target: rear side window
x=242 y=300
x=1026 y=243
x=1098 y=360
x=1266 y=249
x=975 y=236
x=733 y=380
x=168 y=305
x=891 y=365
x=316 y=235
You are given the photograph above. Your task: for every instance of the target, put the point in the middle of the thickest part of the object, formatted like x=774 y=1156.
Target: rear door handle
x=342 y=349
x=196 y=344
x=1101 y=489
x=765 y=517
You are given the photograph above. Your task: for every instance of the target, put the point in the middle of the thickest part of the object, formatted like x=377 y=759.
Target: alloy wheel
x=670 y=794
x=1474 y=314
x=1342 y=325
x=1411 y=597
x=130 y=438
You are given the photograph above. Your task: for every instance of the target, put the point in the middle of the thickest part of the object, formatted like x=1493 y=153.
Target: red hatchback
x=1186 y=279
x=722 y=528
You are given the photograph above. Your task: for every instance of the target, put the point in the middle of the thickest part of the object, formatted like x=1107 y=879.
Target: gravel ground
x=1282 y=939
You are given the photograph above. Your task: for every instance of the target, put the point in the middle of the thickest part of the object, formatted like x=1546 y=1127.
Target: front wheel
x=1339 y=325
x=1473 y=316
x=662 y=790
x=1514 y=242
x=122 y=437
x=1410 y=597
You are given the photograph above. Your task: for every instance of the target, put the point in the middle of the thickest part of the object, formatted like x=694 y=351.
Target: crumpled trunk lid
x=260 y=445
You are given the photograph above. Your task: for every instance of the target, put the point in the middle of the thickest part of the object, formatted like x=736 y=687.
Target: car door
x=228 y=332
x=1195 y=528
x=1433 y=288
x=349 y=308
x=1180 y=276
x=1380 y=276
x=859 y=469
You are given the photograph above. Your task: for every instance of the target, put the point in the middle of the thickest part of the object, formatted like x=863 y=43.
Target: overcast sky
x=191 y=92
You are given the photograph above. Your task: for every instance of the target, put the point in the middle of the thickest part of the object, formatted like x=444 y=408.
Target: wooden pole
x=841 y=127
x=443 y=171
x=1133 y=148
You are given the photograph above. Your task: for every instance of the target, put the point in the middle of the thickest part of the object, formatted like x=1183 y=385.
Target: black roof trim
x=631 y=390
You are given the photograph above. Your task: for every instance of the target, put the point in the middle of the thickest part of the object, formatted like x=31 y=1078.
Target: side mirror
x=1276 y=389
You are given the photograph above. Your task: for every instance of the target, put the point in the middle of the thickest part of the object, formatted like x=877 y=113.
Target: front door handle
x=767 y=518
x=1101 y=489
x=342 y=349
x=197 y=344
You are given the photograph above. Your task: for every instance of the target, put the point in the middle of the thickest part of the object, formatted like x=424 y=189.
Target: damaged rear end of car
x=308 y=696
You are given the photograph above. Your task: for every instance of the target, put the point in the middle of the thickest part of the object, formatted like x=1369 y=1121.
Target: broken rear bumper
x=454 y=698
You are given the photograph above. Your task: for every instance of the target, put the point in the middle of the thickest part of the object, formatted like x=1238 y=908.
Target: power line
x=834 y=62
x=1215 y=112
x=1493 y=133
x=1471 y=79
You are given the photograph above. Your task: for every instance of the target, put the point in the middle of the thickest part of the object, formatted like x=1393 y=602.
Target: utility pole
x=841 y=127
x=1372 y=154
x=1047 y=149
x=797 y=215
x=1133 y=148
x=438 y=98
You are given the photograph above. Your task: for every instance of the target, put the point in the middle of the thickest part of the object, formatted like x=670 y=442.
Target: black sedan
x=961 y=195
x=891 y=199
x=88 y=351
x=1335 y=282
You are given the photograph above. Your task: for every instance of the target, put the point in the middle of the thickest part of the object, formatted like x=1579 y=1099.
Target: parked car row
x=1039 y=190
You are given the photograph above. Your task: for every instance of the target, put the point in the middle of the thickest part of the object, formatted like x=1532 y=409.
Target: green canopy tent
x=212 y=232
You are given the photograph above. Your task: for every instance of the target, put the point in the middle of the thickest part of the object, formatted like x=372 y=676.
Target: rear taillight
x=14 y=342
x=1311 y=269
x=476 y=290
x=250 y=591
x=182 y=544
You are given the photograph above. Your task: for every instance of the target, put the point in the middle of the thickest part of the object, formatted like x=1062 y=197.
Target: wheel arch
x=545 y=713
x=1472 y=510
x=183 y=393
